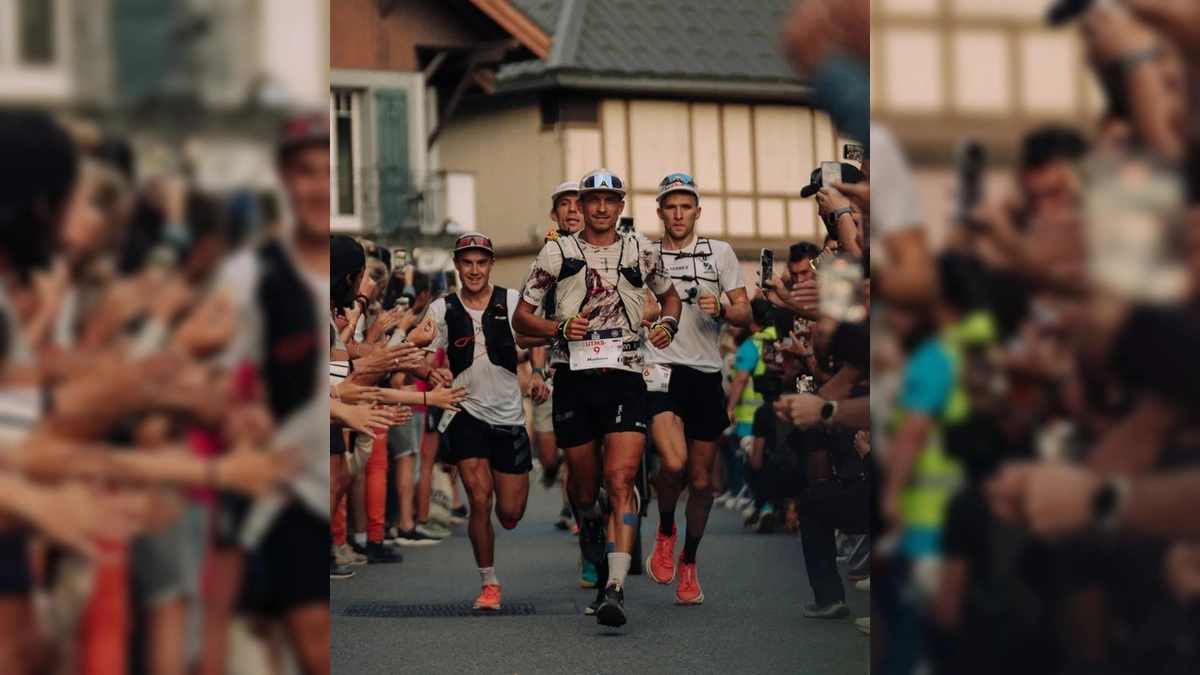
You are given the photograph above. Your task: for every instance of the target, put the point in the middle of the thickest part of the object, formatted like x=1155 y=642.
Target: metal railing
x=402 y=206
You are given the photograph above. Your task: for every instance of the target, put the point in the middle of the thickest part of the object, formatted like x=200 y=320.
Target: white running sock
x=618 y=567
x=360 y=538
x=488 y=576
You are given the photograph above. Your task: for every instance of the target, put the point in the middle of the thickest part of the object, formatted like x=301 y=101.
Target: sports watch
x=1108 y=503
x=835 y=215
x=827 y=412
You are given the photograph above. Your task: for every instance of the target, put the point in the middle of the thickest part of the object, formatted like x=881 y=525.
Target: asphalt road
x=750 y=621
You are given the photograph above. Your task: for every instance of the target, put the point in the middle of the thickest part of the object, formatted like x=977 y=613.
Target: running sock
x=618 y=567
x=690 y=544
x=666 y=523
x=488 y=576
x=592 y=512
x=360 y=538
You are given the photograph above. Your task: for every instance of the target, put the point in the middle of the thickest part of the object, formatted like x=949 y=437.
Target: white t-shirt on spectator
x=894 y=203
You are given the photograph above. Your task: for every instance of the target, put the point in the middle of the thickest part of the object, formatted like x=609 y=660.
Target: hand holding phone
x=766 y=266
x=971 y=162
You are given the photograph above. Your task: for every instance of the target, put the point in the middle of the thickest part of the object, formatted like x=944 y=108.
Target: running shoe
x=766 y=520
x=348 y=556
x=595 y=604
x=723 y=499
x=611 y=612
x=863 y=625
x=564 y=518
x=377 y=553
x=587 y=574
x=336 y=571
x=593 y=541
x=864 y=585
x=389 y=535
x=414 y=537
x=834 y=610
x=489 y=598
x=661 y=563
x=688 y=591
x=460 y=515
x=432 y=530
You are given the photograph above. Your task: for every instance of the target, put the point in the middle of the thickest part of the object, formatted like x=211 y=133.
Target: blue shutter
x=143 y=49
x=393 y=159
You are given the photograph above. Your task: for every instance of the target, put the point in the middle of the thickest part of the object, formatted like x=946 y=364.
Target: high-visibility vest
x=743 y=412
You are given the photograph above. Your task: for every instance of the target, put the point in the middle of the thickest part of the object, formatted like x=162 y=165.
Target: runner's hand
x=709 y=304
x=576 y=328
x=446 y=398
x=539 y=391
x=660 y=337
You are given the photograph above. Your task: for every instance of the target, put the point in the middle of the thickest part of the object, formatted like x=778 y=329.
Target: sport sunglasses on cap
x=601 y=181
x=677 y=179
x=473 y=241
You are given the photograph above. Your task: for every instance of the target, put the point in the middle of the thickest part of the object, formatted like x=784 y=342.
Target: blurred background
x=465 y=115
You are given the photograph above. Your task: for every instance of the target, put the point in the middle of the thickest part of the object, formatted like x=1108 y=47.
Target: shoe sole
x=490 y=608
x=697 y=601
x=417 y=542
x=341 y=576
x=610 y=614
x=585 y=584
x=841 y=613
x=589 y=612
x=650 y=572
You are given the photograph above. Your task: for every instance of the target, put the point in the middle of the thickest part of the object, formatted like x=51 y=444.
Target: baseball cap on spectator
x=473 y=240
x=850 y=175
x=562 y=189
x=760 y=312
x=601 y=180
x=677 y=182
x=302 y=131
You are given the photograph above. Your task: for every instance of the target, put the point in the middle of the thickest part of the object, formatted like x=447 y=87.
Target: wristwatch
x=1108 y=503
x=834 y=216
x=540 y=371
x=827 y=412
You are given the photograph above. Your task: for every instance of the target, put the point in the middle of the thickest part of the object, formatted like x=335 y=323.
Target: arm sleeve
x=747 y=357
x=729 y=267
x=542 y=274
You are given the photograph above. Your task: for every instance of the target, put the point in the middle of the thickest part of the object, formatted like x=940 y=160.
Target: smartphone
x=840 y=290
x=1135 y=235
x=625 y=226
x=451 y=280
x=852 y=152
x=970 y=165
x=831 y=172
x=766 y=266
x=399 y=258
x=403 y=303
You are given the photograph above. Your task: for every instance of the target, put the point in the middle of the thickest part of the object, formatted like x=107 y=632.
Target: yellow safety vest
x=743 y=412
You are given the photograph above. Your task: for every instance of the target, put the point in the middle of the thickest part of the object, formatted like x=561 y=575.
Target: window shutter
x=393 y=158
x=143 y=47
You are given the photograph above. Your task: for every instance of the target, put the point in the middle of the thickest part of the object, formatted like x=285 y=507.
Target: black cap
x=346 y=257
x=850 y=175
x=760 y=312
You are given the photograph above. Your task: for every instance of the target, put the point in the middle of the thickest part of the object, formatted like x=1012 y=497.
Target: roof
x=616 y=43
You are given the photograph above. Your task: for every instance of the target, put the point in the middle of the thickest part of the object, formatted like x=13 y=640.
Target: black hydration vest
x=293 y=339
x=497 y=333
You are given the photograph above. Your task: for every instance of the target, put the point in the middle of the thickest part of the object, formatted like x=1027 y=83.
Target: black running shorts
x=589 y=405
x=506 y=448
x=697 y=398
x=284 y=572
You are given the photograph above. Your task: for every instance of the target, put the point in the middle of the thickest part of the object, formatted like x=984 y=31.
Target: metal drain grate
x=433 y=611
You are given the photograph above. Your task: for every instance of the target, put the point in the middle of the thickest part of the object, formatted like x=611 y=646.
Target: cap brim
x=809 y=190
x=557 y=195
x=683 y=188
x=583 y=191
x=475 y=248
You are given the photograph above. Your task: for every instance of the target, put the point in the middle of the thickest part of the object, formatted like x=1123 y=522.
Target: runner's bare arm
x=530 y=327
x=671 y=304
x=738 y=311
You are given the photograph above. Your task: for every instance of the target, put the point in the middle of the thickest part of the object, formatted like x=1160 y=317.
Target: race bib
x=597 y=349
x=657 y=376
x=447 y=417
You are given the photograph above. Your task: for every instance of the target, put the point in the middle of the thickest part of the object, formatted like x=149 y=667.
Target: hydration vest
x=497 y=333
x=710 y=276
x=571 y=291
x=292 y=346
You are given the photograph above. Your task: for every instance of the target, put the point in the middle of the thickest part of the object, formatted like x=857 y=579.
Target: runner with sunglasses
x=686 y=392
x=599 y=280
x=487 y=439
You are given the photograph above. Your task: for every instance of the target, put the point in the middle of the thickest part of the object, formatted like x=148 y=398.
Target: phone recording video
x=625 y=226
x=831 y=172
x=840 y=293
x=971 y=163
x=766 y=266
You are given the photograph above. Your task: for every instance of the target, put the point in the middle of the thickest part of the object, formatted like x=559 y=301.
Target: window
x=343 y=136
x=36 y=34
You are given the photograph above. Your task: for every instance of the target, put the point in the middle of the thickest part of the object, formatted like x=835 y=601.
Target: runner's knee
x=700 y=484
x=671 y=464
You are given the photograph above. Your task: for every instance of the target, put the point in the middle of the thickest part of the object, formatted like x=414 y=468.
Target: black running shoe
x=612 y=611
x=593 y=541
x=336 y=571
x=595 y=604
x=378 y=553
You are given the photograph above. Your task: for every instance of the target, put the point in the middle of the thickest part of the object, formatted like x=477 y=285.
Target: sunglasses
x=677 y=179
x=602 y=180
x=473 y=240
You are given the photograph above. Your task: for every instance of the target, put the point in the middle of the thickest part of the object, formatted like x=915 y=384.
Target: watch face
x=827 y=410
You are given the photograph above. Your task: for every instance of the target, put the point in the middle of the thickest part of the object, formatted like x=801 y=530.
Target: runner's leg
x=671 y=444
x=477 y=477
x=512 y=494
x=700 y=499
x=622 y=457
x=308 y=630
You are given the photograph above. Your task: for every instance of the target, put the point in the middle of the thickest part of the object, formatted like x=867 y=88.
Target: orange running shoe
x=688 y=591
x=661 y=563
x=490 y=598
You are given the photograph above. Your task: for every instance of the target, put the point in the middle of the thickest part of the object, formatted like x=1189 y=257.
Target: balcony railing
x=390 y=203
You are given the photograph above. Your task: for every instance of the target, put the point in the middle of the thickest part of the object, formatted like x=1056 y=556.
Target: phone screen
x=399 y=258
x=830 y=173
x=840 y=291
x=625 y=226
x=972 y=159
x=766 y=265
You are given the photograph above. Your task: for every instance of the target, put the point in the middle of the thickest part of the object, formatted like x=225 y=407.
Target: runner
x=487 y=439
x=568 y=219
x=686 y=394
x=600 y=279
